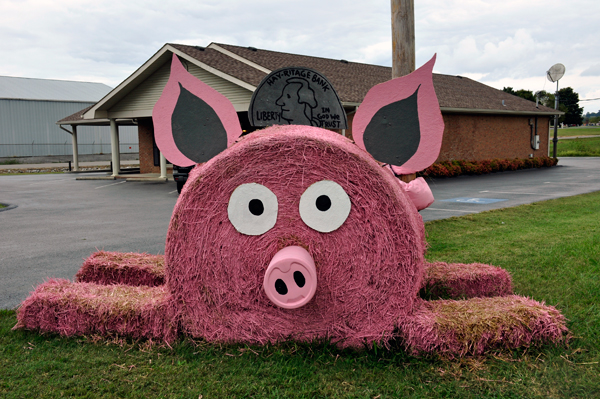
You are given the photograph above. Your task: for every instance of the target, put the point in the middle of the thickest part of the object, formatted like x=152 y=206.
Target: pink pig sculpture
x=295 y=233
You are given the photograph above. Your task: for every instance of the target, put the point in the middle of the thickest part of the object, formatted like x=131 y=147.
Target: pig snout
x=291 y=278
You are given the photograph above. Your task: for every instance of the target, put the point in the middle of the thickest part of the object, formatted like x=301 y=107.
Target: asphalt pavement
x=55 y=221
x=462 y=195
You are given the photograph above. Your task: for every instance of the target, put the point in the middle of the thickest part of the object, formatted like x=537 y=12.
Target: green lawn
x=588 y=147
x=551 y=248
x=576 y=131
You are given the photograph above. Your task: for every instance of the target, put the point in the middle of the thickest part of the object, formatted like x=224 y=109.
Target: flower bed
x=462 y=167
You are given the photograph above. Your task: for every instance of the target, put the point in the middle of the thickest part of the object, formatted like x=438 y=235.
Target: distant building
x=480 y=122
x=29 y=109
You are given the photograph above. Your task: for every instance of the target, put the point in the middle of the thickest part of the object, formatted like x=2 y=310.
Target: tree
x=547 y=99
x=570 y=99
x=526 y=94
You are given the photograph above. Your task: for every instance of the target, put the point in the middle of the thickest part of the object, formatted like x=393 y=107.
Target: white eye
x=324 y=206
x=252 y=209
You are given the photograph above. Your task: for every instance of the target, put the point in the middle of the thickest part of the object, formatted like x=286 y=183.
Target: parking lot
x=59 y=221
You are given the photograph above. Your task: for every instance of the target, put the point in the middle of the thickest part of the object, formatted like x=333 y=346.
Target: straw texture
x=369 y=270
x=104 y=267
x=470 y=327
x=209 y=284
x=68 y=308
x=459 y=280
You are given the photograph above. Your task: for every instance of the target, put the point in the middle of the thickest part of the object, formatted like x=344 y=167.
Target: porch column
x=75 y=149
x=114 y=147
x=163 y=166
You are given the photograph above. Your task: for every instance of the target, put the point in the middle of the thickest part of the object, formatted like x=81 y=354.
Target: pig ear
x=400 y=122
x=192 y=121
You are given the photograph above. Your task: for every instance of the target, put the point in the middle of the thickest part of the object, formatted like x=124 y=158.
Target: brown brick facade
x=146 y=139
x=468 y=137
x=146 y=145
x=478 y=137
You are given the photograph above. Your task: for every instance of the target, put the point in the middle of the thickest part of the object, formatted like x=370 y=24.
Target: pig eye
x=252 y=209
x=324 y=206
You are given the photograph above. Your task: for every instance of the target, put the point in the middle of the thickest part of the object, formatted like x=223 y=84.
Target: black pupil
x=256 y=207
x=280 y=287
x=299 y=279
x=323 y=203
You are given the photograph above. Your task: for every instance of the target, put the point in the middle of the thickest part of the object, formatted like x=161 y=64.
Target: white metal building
x=30 y=108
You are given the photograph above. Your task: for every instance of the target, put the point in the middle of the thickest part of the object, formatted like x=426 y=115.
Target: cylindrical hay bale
x=369 y=269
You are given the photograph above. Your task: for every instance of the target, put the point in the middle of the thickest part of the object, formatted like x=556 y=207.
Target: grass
x=551 y=248
x=576 y=131
x=588 y=147
x=10 y=162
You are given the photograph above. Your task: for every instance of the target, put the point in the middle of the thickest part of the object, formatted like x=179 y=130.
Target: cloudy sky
x=500 y=43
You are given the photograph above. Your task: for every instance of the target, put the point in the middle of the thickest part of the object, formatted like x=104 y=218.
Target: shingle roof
x=76 y=117
x=51 y=90
x=223 y=63
x=352 y=80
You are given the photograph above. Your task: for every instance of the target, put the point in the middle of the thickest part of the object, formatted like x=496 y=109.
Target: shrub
x=463 y=167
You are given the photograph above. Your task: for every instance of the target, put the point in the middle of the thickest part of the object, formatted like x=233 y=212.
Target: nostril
x=280 y=286
x=299 y=279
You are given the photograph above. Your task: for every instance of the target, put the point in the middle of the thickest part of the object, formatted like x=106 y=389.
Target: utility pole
x=403 y=45
x=403 y=37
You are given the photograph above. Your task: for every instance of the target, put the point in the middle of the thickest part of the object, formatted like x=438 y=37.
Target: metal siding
x=49 y=89
x=28 y=128
x=146 y=94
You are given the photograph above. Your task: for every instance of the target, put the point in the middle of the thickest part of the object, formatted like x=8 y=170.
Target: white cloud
x=511 y=42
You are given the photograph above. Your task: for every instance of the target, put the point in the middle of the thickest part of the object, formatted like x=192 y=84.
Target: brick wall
x=468 y=137
x=146 y=140
x=477 y=137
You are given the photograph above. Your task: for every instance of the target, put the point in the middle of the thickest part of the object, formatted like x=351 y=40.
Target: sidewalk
x=65 y=165
x=90 y=170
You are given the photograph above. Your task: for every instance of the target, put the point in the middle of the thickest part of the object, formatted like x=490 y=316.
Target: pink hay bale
x=369 y=269
x=459 y=280
x=69 y=309
x=105 y=267
x=459 y=328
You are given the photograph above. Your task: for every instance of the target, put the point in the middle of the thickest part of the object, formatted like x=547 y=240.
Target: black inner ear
x=197 y=130
x=394 y=133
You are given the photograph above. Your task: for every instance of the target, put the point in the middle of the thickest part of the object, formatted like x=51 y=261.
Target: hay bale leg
x=69 y=309
x=473 y=326
x=459 y=281
x=104 y=267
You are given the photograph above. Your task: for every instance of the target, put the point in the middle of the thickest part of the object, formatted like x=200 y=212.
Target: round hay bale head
x=369 y=268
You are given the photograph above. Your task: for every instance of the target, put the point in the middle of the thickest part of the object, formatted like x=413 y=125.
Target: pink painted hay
x=459 y=280
x=68 y=308
x=458 y=328
x=104 y=267
x=369 y=270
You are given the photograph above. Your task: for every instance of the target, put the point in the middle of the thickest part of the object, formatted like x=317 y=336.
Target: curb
x=8 y=207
